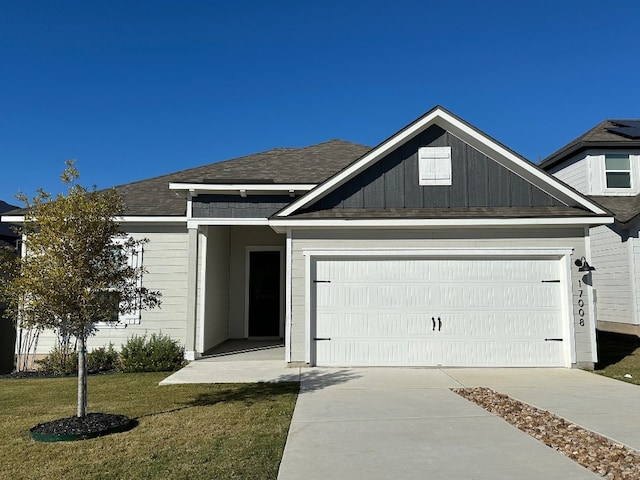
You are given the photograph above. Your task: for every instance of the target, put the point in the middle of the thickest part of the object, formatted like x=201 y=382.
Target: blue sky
x=135 y=89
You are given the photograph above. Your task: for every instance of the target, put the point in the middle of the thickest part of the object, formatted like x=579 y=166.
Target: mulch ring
x=597 y=453
x=80 y=428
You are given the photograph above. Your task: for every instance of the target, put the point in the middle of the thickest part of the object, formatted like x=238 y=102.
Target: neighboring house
x=9 y=240
x=439 y=246
x=604 y=164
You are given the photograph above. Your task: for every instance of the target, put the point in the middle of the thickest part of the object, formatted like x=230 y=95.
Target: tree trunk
x=82 y=378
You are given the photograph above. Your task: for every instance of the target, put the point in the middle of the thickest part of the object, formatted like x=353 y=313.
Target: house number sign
x=580 y=303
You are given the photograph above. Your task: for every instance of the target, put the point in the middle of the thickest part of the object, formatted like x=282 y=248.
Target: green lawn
x=184 y=431
x=619 y=355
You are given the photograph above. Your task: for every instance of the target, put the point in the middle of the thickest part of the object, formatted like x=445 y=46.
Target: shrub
x=102 y=360
x=59 y=362
x=160 y=353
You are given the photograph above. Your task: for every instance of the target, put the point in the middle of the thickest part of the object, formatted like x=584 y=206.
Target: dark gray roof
x=607 y=134
x=625 y=209
x=5 y=228
x=312 y=164
x=440 y=213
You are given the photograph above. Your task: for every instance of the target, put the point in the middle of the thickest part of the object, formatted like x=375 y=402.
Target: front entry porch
x=238 y=288
x=238 y=361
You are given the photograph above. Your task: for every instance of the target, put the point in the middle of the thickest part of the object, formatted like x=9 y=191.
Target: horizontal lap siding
x=363 y=239
x=611 y=279
x=165 y=258
x=573 y=172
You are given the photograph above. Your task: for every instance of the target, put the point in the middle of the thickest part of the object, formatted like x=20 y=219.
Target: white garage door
x=427 y=312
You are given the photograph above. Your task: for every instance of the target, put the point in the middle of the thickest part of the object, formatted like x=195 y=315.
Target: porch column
x=192 y=304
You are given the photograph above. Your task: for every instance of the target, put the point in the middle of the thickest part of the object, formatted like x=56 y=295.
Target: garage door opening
x=390 y=311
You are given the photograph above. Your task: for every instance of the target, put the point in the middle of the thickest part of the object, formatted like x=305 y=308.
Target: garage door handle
x=318 y=339
x=439 y=324
x=552 y=339
x=433 y=321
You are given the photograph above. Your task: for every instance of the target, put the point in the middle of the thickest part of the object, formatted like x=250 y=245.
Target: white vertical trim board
x=203 y=287
x=288 y=296
x=568 y=327
x=592 y=307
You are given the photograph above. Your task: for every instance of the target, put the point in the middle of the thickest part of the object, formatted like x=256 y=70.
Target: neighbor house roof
x=615 y=134
x=5 y=228
x=624 y=208
x=312 y=164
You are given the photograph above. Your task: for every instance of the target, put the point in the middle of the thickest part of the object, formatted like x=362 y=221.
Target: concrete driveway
x=396 y=423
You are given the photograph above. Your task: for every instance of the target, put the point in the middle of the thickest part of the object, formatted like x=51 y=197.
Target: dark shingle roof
x=312 y=164
x=441 y=213
x=607 y=134
x=625 y=209
x=5 y=228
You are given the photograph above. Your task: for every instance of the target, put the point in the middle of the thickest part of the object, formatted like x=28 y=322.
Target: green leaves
x=76 y=265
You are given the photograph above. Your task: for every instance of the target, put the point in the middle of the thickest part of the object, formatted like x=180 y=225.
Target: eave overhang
x=282 y=225
x=243 y=189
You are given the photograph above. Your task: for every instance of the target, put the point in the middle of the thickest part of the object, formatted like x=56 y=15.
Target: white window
x=134 y=260
x=617 y=168
x=434 y=165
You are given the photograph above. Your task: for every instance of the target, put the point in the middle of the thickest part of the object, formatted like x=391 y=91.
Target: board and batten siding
x=477 y=181
x=611 y=258
x=427 y=239
x=165 y=258
x=574 y=172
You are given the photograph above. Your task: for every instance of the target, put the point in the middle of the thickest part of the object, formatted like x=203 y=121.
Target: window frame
x=628 y=171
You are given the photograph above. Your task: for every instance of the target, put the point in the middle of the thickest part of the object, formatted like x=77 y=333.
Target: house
x=604 y=165
x=440 y=246
x=8 y=240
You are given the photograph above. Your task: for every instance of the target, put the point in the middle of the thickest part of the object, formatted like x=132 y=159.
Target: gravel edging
x=597 y=453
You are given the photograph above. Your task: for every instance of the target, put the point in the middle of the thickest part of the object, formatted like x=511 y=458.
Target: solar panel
x=626 y=128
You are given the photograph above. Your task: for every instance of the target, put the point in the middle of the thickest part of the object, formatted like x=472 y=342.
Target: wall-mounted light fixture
x=584 y=265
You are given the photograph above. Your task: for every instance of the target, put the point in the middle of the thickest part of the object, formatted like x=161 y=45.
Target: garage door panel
x=493 y=312
x=541 y=353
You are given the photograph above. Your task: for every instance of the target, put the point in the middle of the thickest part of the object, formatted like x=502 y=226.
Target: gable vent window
x=617 y=170
x=434 y=165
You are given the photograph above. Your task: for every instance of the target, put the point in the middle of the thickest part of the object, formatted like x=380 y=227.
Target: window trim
x=606 y=171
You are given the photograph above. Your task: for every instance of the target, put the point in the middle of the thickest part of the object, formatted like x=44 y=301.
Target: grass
x=619 y=355
x=184 y=431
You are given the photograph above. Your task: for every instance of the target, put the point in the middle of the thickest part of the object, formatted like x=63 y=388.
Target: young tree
x=75 y=270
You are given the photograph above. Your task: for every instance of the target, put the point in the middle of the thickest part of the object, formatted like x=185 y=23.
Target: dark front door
x=264 y=294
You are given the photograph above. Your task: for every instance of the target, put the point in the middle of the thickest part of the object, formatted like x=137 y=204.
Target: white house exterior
x=439 y=246
x=604 y=164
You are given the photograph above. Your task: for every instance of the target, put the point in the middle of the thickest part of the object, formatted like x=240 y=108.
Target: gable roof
x=471 y=136
x=312 y=164
x=613 y=134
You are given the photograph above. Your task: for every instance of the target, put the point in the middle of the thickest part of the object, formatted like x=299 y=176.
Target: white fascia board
x=120 y=219
x=466 y=133
x=361 y=164
x=196 y=222
x=551 y=252
x=250 y=189
x=280 y=226
x=12 y=218
x=150 y=219
x=518 y=165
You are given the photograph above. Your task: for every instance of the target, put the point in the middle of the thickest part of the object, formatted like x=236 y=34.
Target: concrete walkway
x=392 y=423
x=405 y=423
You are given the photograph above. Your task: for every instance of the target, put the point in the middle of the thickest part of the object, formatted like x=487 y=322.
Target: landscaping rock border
x=597 y=453
x=81 y=428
